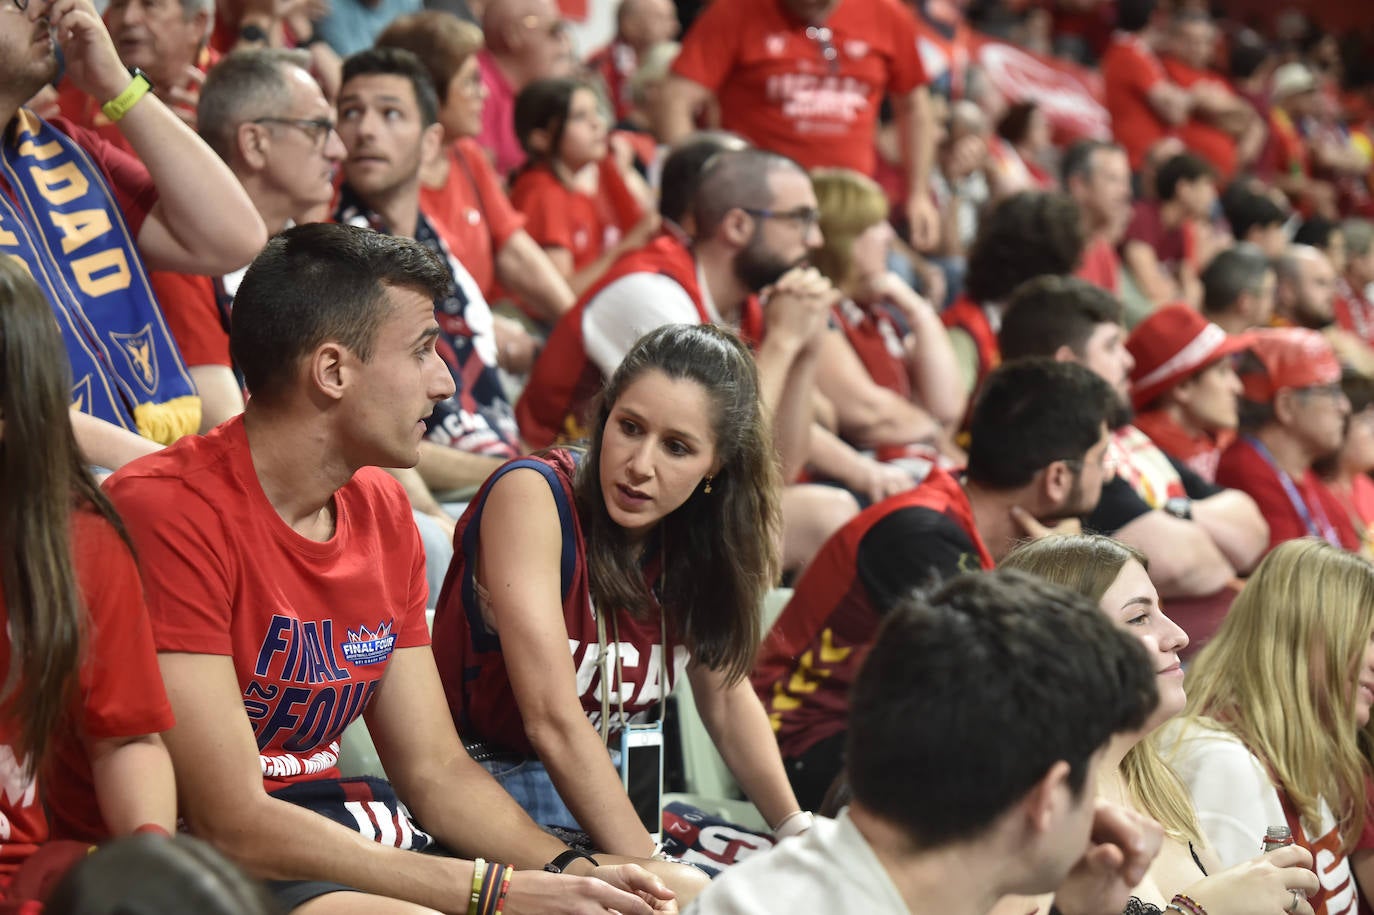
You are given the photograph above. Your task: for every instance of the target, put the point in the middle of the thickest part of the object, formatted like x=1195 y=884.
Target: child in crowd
x=668 y=526
x=83 y=702
x=582 y=199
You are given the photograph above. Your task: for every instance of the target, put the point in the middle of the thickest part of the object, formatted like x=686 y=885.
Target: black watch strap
x=253 y=32
x=559 y=864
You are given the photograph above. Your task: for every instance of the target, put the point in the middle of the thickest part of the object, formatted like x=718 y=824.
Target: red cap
x=1292 y=357
x=1172 y=345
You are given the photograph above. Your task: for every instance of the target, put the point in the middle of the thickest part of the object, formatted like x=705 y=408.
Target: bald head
x=528 y=39
x=1306 y=286
x=738 y=178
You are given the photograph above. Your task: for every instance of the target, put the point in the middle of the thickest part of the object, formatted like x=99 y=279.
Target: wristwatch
x=1180 y=507
x=253 y=32
x=559 y=864
x=139 y=86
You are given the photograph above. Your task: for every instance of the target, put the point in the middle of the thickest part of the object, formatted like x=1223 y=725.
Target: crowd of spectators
x=283 y=238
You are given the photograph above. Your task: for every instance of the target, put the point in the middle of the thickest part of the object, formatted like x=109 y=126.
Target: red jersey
x=585 y=225
x=564 y=379
x=808 y=92
x=876 y=335
x=1353 y=310
x=1129 y=71
x=810 y=656
x=1101 y=265
x=120 y=694
x=1293 y=508
x=470 y=657
x=972 y=319
x=615 y=64
x=1200 y=453
x=310 y=626
x=471 y=212
x=1200 y=136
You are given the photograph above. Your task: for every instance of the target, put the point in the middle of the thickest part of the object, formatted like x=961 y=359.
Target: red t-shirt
x=1170 y=244
x=120 y=695
x=1243 y=467
x=585 y=225
x=472 y=213
x=1129 y=71
x=776 y=87
x=1201 y=137
x=125 y=175
x=1101 y=265
x=191 y=309
x=310 y=626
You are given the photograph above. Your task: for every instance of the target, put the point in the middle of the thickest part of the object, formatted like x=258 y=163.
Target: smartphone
x=641 y=771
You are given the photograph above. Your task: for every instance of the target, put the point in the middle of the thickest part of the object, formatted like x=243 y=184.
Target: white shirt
x=1236 y=802
x=630 y=307
x=830 y=869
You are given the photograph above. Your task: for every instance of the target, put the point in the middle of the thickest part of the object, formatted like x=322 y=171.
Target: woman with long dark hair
x=82 y=701
x=580 y=588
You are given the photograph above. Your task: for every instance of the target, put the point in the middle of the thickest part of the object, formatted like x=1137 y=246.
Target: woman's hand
x=1262 y=884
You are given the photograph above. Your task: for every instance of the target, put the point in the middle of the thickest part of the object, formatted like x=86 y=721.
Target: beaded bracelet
x=505 y=888
x=1186 y=905
x=479 y=868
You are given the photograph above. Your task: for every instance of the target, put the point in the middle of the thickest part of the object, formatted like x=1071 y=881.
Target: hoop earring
x=707 y=490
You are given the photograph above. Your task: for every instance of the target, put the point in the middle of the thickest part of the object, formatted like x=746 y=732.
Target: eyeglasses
x=805 y=217
x=20 y=5
x=822 y=36
x=554 y=27
x=1333 y=390
x=317 y=129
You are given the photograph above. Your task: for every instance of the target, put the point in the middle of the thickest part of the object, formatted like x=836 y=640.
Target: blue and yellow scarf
x=67 y=230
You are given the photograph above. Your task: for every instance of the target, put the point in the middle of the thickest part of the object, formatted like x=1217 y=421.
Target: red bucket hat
x=1172 y=345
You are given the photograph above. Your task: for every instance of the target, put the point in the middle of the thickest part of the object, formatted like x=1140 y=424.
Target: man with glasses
x=167 y=39
x=265 y=116
x=1038 y=453
x=1197 y=535
x=806 y=79
x=84 y=217
x=1292 y=413
x=526 y=40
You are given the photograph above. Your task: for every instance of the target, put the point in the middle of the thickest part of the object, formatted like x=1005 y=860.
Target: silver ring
x=1293 y=906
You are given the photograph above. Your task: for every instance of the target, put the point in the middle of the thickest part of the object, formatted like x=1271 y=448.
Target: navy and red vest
x=564 y=380
x=470 y=656
x=810 y=656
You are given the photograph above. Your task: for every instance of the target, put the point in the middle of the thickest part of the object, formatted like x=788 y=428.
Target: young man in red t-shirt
x=286 y=587
x=806 y=78
x=1170 y=239
x=1144 y=104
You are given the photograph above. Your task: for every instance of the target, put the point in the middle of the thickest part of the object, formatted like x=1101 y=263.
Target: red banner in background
x=1070 y=95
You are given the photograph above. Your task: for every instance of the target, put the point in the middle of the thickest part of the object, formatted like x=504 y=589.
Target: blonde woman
x=895 y=336
x=1134 y=774
x=1276 y=703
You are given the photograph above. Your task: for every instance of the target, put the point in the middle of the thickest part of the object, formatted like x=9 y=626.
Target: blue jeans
x=526 y=780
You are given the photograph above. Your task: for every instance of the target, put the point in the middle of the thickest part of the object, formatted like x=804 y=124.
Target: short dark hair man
x=965 y=745
x=1196 y=535
x=1039 y=439
x=285 y=582
x=1238 y=289
x=1169 y=240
